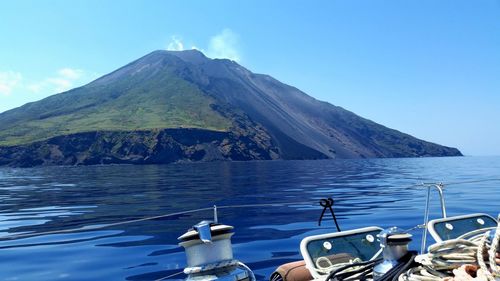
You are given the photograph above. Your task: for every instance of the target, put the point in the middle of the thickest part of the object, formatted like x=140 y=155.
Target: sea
x=65 y=223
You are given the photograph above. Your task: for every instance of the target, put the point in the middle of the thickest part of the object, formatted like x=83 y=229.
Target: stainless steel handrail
x=439 y=187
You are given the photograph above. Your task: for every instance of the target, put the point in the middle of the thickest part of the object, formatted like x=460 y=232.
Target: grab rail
x=439 y=187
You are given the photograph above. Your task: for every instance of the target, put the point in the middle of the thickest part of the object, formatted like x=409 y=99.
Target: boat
x=464 y=245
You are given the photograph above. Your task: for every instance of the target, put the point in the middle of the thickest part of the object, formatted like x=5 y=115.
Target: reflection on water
x=366 y=192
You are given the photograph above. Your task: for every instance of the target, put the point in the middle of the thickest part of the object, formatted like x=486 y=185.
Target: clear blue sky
x=429 y=68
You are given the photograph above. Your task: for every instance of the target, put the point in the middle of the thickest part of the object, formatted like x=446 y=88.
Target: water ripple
x=366 y=192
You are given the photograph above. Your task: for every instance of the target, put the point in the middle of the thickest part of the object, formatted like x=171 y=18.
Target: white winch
x=394 y=243
x=210 y=255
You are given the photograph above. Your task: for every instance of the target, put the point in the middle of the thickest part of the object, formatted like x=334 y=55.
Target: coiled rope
x=332 y=267
x=493 y=252
x=354 y=271
x=480 y=256
x=443 y=258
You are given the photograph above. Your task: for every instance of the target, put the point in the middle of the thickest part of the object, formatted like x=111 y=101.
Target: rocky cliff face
x=140 y=147
x=181 y=106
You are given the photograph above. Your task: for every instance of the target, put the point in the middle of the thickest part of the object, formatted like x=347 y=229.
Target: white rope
x=170 y=276
x=419 y=273
x=450 y=254
x=480 y=257
x=323 y=270
x=210 y=266
x=493 y=251
x=444 y=257
x=478 y=233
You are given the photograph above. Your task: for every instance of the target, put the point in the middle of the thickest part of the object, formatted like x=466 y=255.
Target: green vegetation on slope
x=165 y=101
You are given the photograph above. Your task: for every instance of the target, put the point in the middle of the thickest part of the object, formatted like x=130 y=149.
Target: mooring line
x=170 y=276
x=98 y=227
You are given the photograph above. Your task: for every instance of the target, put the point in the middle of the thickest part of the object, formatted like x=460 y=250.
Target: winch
x=394 y=244
x=209 y=254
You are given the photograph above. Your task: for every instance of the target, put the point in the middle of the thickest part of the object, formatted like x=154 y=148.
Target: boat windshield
x=341 y=248
x=454 y=227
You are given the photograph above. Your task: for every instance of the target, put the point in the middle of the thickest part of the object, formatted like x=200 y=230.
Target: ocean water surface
x=366 y=192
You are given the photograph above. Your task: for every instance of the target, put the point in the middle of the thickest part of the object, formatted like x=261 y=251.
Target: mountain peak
x=192 y=56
